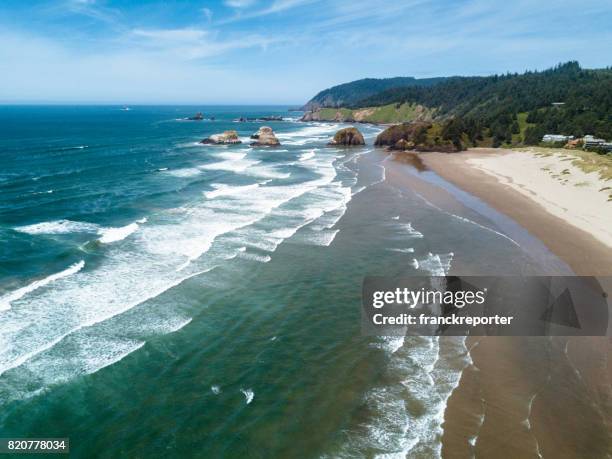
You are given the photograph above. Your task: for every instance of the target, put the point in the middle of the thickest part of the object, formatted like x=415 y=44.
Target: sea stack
x=348 y=137
x=197 y=117
x=228 y=137
x=265 y=137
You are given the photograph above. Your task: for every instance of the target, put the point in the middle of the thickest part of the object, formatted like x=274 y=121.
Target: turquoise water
x=162 y=298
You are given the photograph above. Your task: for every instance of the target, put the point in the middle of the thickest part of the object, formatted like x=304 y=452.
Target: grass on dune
x=586 y=161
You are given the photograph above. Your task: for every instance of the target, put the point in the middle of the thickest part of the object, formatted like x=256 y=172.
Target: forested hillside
x=349 y=93
x=515 y=108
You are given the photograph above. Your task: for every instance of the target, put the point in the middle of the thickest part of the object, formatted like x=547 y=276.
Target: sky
x=279 y=51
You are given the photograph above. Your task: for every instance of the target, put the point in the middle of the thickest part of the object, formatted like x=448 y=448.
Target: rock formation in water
x=197 y=117
x=242 y=119
x=265 y=137
x=228 y=137
x=348 y=137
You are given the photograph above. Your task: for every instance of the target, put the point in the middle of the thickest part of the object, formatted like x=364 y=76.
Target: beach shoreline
x=577 y=246
x=519 y=395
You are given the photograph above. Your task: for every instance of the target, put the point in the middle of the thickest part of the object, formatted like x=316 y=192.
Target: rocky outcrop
x=328 y=114
x=311 y=116
x=228 y=137
x=403 y=144
x=348 y=137
x=265 y=137
x=242 y=119
x=197 y=117
x=417 y=136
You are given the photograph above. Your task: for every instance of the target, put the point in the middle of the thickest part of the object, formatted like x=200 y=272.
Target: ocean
x=163 y=298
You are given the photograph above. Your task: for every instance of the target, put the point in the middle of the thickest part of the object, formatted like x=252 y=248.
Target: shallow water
x=163 y=298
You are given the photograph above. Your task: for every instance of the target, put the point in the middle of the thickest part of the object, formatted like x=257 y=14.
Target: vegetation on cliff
x=349 y=93
x=422 y=136
x=511 y=109
x=491 y=106
x=392 y=113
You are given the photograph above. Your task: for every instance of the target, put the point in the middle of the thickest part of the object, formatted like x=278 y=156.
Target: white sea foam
x=7 y=299
x=184 y=173
x=308 y=133
x=230 y=155
x=322 y=238
x=271 y=172
x=59 y=227
x=110 y=235
x=248 y=395
x=232 y=165
x=131 y=274
x=407 y=250
x=228 y=190
x=89 y=295
x=409 y=230
x=409 y=408
x=308 y=155
x=255 y=257
x=435 y=264
x=215 y=390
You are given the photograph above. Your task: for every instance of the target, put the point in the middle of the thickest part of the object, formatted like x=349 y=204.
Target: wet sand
x=586 y=255
x=523 y=397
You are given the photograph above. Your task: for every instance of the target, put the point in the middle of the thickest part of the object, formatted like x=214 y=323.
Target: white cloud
x=125 y=76
x=277 y=6
x=208 y=14
x=187 y=35
x=239 y=3
x=90 y=9
x=191 y=43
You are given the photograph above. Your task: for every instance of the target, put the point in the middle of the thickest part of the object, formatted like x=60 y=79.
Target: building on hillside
x=558 y=104
x=591 y=141
x=556 y=138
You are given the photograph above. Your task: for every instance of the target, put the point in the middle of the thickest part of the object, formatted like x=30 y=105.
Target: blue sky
x=279 y=51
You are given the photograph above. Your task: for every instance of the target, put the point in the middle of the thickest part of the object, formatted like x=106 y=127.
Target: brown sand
x=586 y=255
x=524 y=397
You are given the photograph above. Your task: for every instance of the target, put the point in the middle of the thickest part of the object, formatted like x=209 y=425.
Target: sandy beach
x=520 y=396
x=566 y=208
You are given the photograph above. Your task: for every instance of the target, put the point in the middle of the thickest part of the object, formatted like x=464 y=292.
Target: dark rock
x=265 y=137
x=228 y=137
x=417 y=136
x=348 y=137
x=197 y=117
x=270 y=118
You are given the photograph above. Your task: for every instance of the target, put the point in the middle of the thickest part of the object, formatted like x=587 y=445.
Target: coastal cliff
x=392 y=113
x=566 y=101
x=419 y=136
